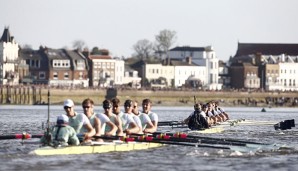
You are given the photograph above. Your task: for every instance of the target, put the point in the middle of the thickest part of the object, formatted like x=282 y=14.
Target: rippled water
x=17 y=119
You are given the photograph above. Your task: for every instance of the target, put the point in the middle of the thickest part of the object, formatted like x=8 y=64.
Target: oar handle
x=20 y=136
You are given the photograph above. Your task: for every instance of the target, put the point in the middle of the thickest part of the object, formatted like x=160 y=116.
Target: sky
x=117 y=25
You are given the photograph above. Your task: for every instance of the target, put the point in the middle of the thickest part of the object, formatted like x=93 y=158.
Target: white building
x=201 y=56
x=119 y=72
x=175 y=72
x=105 y=71
x=8 y=59
x=281 y=72
x=131 y=78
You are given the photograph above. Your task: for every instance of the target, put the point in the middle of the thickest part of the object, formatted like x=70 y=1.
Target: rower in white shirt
x=128 y=124
x=107 y=106
x=147 y=104
x=98 y=121
x=146 y=124
x=128 y=107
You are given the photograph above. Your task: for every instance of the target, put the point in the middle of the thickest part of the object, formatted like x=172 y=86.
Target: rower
x=147 y=105
x=205 y=110
x=128 y=124
x=146 y=124
x=135 y=109
x=78 y=121
x=107 y=106
x=197 y=119
x=216 y=119
x=222 y=111
x=128 y=107
x=98 y=121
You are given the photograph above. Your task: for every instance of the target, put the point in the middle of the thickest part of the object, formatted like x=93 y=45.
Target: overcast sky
x=118 y=24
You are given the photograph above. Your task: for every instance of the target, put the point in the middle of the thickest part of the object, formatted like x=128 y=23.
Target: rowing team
x=206 y=115
x=111 y=122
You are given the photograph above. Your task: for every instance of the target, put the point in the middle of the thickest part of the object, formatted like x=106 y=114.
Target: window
x=55 y=75
x=37 y=63
x=66 y=77
x=81 y=75
x=32 y=63
x=42 y=75
x=95 y=74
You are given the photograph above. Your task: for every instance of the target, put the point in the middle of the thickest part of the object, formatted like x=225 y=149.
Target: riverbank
x=176 y=98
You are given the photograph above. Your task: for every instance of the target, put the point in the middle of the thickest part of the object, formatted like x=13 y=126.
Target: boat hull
x=208 y=131
x=92 y=149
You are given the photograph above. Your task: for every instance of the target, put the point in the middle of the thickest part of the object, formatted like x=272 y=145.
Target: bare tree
x=143 y=49
x=165 y=39
x=78 y=44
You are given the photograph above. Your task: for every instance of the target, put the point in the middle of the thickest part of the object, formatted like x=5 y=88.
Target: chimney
x=188 y=60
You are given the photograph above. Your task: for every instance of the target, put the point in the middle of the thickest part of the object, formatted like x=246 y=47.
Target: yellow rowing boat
x=95 y=148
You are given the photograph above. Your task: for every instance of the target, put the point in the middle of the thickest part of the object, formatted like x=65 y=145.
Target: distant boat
x=263 y=110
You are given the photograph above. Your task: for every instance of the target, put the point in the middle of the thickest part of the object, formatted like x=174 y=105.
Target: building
x=244 y=75
x=131 y=78
x=200 y=56
x=56 y=67
x=104 y=70
x=277 y=64
x=9 y=59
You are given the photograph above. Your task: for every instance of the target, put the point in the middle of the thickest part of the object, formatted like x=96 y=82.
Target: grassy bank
x=167 y=98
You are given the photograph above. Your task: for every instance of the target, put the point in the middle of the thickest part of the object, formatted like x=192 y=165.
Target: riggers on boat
x=103 y=147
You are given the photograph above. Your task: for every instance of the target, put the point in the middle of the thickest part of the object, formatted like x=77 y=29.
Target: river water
x=14 y=155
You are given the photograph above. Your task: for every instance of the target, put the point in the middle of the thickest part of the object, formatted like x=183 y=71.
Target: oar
x=19 y=136
x=155 y=140
x=184 y=135
x=170 y=123
x=193 y=140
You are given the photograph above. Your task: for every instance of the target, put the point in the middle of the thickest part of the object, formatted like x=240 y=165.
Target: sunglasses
x=66 y=107
x=86 y=107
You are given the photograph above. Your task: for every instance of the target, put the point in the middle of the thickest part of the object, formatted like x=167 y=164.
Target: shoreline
x=176 y=98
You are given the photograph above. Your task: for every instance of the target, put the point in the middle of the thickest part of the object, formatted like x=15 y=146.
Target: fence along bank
x=20 y=95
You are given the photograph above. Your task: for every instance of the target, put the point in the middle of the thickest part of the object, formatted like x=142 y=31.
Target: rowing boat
x=212 y=130
x=103 y=147
x=216 y=128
